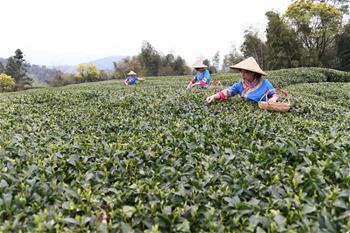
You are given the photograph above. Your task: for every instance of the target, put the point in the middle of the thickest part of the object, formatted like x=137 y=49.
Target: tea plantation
x=102 y=157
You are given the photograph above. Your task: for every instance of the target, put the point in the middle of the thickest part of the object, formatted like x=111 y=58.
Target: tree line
x=149 y=62
x=309 y=33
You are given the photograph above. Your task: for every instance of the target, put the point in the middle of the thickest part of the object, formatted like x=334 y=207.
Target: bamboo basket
x=276 y=106
x=216 y=85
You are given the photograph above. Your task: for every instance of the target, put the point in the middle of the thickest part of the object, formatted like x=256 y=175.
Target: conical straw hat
x=249 y=64
x=199 y=65
x=131 y=73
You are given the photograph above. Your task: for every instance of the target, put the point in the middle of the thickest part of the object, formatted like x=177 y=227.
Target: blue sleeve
x=270 y=87
x=127 y=78
x=234 y=89
x=206 y=76
x=136 y=77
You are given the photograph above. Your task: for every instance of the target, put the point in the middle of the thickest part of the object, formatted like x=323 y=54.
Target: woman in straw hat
x=202 y=77
x=251 y=88
x=131 y=78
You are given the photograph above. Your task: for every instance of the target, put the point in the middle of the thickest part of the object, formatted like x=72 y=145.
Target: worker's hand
x=189 y=86
x=210 y=99
x=273 y=99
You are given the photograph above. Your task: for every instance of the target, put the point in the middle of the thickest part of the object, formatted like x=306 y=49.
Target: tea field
x=102 y=157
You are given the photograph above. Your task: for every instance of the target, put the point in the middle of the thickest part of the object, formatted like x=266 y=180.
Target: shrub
x=7 y=83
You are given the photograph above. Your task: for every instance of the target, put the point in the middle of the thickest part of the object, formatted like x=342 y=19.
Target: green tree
x=341 y=5
x=253 y=46
x=343 y=48
x=17 y=68
x=173 y=66
x=283 y=49
x=212 y=69
x=104 y=75
x=316 y=24
x=232 y=58
x=150 y=59
x=168 y=60
x=2 y=68
x=43 y=73
x=115 y=69
x=166 y=65
x=125 y=65
x=7 y=83
x=179 y=66
x=216 y=60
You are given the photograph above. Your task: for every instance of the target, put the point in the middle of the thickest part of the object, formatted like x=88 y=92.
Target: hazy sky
x=57 y=32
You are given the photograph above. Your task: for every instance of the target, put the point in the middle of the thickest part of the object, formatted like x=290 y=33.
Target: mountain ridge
x=105 y=63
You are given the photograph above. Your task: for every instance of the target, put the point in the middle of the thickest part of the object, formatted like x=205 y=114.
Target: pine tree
x=17 y=68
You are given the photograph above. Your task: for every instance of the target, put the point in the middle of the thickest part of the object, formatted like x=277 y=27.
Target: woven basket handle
x=278 y=90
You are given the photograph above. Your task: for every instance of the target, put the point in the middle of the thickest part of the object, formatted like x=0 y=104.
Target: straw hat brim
x=249 y=64
x=131 y=73
x=199 y=65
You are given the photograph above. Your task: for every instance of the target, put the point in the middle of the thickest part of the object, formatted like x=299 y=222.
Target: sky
x=69 y=32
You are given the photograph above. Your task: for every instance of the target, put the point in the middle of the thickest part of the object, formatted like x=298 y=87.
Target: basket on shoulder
x=283 y=105
x=140 y=78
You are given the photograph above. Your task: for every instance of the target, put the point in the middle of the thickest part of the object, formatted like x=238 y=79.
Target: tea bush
x=155 y=157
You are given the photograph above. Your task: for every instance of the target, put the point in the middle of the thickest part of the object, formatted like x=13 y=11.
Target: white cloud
x=54 y=32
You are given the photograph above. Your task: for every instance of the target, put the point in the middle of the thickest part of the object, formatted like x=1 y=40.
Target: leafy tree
x=168 y=60
x=216 y=60
x=115 y=69
x=150 y=59
x=166 y=65
x=341 y=5
x=57 y=81
x=206 y=62
x=43 y=73
x=125 y=65
x=212 y=69
x=17 y=68
x=88 y=72
x=232 y=58
x=104 y=75
x=179 y=66
x=150 y=63
x=173 y=66
x=253 y=46
x=316 y=24
x=283 y=49
x=2 y=68
x=343 y=49
x=6 y=82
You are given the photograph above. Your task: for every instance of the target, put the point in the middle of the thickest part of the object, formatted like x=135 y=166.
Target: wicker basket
x=216 y=85
x=276 y=106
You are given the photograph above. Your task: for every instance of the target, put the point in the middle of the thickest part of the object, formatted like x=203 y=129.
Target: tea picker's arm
x=192 y=83
x=222 y=95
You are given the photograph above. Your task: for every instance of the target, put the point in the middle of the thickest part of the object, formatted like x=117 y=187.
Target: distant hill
x=40 y=74
x=105 y=63
x=44 y=73
x=65 y=68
